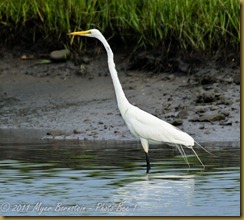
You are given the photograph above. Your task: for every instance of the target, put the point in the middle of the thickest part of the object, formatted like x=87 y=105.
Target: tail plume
x=182 y=152
x=198 y=158
x=204 y=148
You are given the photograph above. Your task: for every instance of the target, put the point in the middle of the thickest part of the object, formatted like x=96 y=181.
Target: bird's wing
x=153 y=129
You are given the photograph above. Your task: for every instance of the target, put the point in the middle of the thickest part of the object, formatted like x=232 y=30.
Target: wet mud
x=77 y=101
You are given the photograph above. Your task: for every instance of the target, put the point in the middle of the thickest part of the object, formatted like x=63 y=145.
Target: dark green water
x=65 y=178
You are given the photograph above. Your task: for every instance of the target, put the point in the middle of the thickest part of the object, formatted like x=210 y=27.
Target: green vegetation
x=203 y=25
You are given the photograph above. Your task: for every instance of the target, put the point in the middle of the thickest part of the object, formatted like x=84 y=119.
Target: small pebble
x=76 y=131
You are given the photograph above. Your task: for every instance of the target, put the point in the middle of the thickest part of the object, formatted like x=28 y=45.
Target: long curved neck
x=122 y=101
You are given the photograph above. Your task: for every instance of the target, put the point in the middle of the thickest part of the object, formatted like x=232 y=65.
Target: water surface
x=48 y=177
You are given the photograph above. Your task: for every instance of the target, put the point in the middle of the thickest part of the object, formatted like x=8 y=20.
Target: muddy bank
x=79 y=101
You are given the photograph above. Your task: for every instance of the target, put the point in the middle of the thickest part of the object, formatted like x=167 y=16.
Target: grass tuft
x=190 y=24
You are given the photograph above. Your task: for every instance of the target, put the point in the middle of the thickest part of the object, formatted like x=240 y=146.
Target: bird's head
x=97 y=34
x=89 y=33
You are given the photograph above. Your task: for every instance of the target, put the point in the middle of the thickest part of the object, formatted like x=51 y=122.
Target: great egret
x=148 y=128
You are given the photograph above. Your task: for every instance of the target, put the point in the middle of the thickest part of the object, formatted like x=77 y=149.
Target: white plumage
x=156 y=131
x=148 y=128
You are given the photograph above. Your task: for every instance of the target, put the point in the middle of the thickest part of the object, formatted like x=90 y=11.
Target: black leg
x=148 y=163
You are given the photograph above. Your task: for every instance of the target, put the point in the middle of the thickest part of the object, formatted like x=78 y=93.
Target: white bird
x=148 y=128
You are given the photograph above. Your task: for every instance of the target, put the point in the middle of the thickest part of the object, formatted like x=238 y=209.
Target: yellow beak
x=81 y=33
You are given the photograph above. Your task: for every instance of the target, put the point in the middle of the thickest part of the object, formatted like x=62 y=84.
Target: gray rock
x=226 y=123
x=227 y=78
x=208 y=79
x=206 y=97
x=201 y=127
x=76 y=131
x=209 y=96
x=237 y=79
x=177 y=121
x=225 y=112
x=183 y=113
x=60 y=55
x=200 y=110
x=85 y=59
x=209 y=117
x=194 y=118
x=56 y=133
